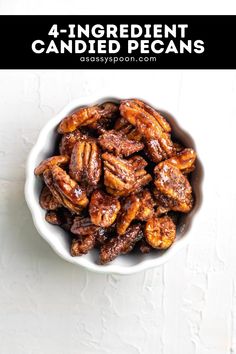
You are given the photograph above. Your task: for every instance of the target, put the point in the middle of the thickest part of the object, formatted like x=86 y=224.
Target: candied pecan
x=103 y=208
x=137 y=162
x=68 y=187
x=184 y=160
x=53 y=217
x=86 y=116
x=68 y=141
x=120 y=244
x=122 y=177
x=118 y=173
x=48 y=179
x=160 y=119
x=147 y=123
x=173 y=188
x=82 y=227
x=147 y=204
x=50 y=162
x=82 y=245
x=118 y=143
x=123 y=126
x=85 y=164
x=160 y=232
x=128 y=213
x=47 y=200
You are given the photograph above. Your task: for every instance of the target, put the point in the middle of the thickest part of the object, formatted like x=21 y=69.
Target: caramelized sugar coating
x=146 y=209
x=83 y=226
x=103 y=208
x=160 y=232
x=129 y=211
x=50 y=162
x=53 y=217
x=152 y=126
x=87 y=234
x=47 y=200
x=68 y=141
x=68 y=187
x=48 y=179
x=119 y=144
x=82 y=245
x=124 y=127
x=159 y=118
x=123 y=177
x=121 y=244
x=173 y=188
x=85 y=164
x=105 y=189
x=184 y=160
x=118 y=173
x=86 y=116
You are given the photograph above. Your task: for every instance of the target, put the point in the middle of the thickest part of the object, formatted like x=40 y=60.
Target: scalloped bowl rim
x=33 y=204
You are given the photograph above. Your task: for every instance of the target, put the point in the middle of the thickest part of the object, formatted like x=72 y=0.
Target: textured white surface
x=186 y=306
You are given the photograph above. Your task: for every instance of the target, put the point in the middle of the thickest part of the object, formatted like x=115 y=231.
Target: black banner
x=117 y=42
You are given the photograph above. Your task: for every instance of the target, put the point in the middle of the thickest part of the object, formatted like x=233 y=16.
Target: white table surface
x=187 y=306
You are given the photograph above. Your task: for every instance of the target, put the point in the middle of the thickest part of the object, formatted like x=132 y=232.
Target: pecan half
x=160 y=232
x=50 y=162
x=48 y=179
x=121 y=244
x=150 y=124
x=47 y=200
x=146 y=209
x=174 y=191
x=85 y=165
x=129 y=211
x=68 y=141
x=103 y=208
x=119 y=144
x=68 y=188
x=86 y=116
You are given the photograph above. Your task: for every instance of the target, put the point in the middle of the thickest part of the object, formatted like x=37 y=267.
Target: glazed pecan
x=50 y=162
x=81 y=246
x=85 y=164
x=123 y=177
x=48 y=179
x=184 y=160
x=124 y=127
x=121 y=244
x=83 y=227
x=68 y=188
x=146 y=208
x=47 y=200
x=174 y=191
x=53 y=217
x=119 y=144
x=129 y=211
x=160 y=232
x=151 y=125
x=68 y=141
x=86 y=116
x=103 y=208
x=118 y=173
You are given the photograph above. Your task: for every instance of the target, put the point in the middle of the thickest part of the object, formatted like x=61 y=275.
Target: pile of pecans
x=118 y=181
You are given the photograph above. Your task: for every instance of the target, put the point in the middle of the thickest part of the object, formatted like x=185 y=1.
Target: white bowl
x=58 y=239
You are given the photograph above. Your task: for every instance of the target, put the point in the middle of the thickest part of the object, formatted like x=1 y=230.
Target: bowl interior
x=59 y=239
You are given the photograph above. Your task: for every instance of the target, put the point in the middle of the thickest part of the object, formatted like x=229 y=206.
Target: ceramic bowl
x=58 y=239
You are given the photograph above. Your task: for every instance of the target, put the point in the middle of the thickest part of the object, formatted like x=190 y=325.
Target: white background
x=187 y=306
